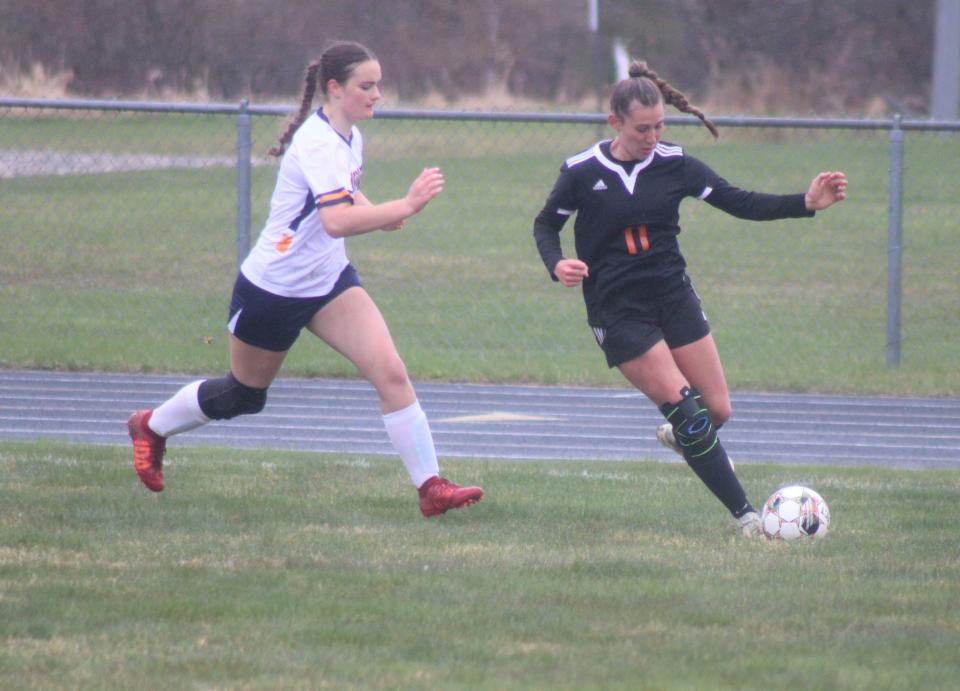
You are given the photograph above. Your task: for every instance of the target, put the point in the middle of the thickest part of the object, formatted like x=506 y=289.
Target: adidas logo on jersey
x=599 y=185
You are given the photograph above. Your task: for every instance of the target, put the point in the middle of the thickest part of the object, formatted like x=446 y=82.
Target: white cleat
x=665 y=437
x=750 y=525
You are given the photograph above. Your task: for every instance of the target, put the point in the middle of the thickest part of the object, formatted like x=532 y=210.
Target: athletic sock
x=180 y=413
x=713 y=469
x=409 y=431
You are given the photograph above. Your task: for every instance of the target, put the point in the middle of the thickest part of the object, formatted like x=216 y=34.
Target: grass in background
x=133 y=270
x=261 y=569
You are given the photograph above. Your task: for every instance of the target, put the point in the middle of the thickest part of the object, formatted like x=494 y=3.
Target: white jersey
x=294 y=255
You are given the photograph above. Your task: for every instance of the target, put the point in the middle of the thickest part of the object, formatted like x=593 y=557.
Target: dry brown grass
x=763 y=89
x=38 y=82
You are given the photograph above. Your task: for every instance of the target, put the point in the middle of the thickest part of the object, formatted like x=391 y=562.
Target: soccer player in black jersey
x=642 y=308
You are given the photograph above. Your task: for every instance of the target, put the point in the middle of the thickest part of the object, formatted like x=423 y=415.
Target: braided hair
x=647 y=88
x=337 y=61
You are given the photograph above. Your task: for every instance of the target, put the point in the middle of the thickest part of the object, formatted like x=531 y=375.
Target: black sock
x=713 y=469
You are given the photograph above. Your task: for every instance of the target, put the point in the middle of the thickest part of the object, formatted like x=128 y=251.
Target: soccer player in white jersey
x=641 y=305
x=298 y=276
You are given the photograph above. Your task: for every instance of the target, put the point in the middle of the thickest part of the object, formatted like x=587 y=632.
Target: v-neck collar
x=327 y=120
x=629 y=179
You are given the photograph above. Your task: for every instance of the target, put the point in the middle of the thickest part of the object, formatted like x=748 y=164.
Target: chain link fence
x=122 y=225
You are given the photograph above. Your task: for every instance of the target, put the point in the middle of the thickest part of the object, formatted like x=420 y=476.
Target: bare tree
x=746 y=55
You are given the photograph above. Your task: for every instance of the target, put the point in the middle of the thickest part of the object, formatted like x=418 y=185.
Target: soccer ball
x=795 y=512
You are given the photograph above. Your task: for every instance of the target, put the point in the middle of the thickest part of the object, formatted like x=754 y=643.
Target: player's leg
x=352 y=325
x=256 y=317
x=243 y=391
x=657 y=375
x=700 y=364
x=687 y=333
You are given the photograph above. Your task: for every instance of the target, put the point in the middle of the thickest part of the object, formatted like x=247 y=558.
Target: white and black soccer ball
x=794 y=513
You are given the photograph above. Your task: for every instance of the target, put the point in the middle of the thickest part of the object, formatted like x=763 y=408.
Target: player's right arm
x=560 y=205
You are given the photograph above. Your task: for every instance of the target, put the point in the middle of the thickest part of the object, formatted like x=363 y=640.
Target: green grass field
x=132 y=270
x=259 y=569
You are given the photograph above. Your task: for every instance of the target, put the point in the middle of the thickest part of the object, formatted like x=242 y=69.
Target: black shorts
x=631 y=329
x=262 y=319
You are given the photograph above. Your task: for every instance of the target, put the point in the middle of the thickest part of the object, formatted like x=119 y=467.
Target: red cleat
x=148 y=450
x=439 y=495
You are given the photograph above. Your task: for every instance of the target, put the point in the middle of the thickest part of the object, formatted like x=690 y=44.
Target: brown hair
x=647 y=88
x=337 y=61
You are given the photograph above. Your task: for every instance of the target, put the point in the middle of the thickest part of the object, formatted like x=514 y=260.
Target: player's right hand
x=570 y=272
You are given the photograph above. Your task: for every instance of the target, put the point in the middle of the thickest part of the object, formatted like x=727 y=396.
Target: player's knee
x=390 y=375
x=692 y=424
x=226 y=398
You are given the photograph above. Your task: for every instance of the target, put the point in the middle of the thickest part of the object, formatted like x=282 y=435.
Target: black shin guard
x=703 y=451
x=225 y=398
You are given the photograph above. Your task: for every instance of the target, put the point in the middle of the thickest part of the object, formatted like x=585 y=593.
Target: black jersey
x=628 y=217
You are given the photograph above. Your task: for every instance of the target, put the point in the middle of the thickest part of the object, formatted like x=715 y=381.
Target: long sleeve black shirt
x=628 y=217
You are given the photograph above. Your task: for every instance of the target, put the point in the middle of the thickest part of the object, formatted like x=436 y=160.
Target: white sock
x=179 y=413
x=409 y=431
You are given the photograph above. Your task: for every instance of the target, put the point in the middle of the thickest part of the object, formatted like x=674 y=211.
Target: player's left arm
x=825 y=190
x=360 y=199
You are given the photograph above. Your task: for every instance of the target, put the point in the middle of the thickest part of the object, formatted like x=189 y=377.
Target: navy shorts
x=630 y=330
x=262 y=319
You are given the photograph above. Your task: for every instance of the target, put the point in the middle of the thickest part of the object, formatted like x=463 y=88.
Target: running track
x=493 y=421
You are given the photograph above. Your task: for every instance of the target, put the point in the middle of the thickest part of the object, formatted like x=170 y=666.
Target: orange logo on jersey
x=284 y=243
x=636 y=235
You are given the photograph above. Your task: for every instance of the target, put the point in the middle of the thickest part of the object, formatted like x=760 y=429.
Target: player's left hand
x=826 y=190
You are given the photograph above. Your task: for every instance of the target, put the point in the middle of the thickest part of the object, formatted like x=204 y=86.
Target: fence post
x=243 y=181
x=895 y=244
